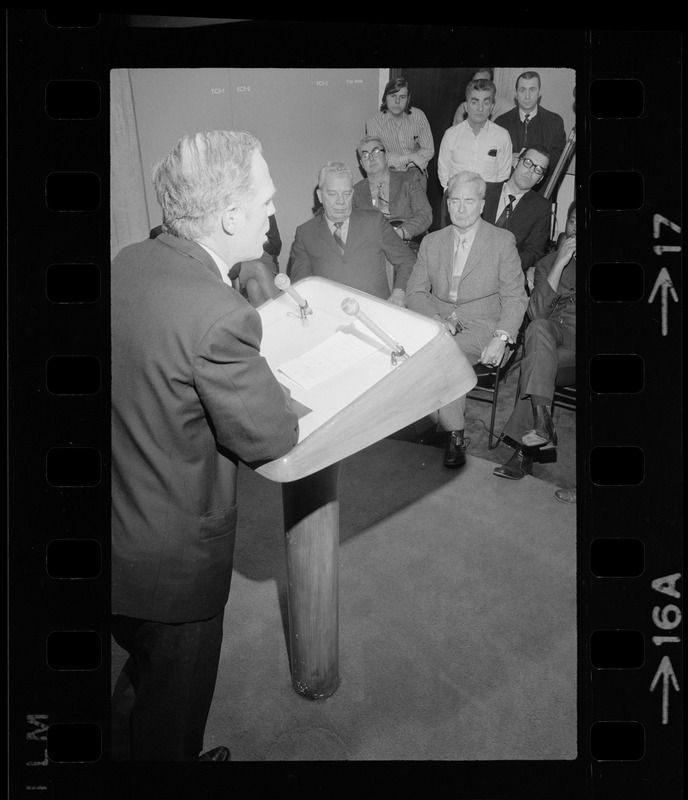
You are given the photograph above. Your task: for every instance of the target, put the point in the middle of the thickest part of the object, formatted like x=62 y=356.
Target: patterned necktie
x=337 y=237
x=503 y=221
x=526 y=120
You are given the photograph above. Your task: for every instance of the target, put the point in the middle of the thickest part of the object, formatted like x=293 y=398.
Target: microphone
x=351 y=307
x=283 y=282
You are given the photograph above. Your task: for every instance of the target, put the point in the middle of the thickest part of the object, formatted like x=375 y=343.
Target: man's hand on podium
x=398 y=298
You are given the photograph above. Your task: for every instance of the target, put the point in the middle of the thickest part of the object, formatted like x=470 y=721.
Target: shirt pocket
x=216 y=524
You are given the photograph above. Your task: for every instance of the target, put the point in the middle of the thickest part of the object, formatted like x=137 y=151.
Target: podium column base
x=311 y=524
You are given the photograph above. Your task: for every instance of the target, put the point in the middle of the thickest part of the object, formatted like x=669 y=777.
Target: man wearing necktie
x=191 y=398
x=515 y=205
x=529 y=123
x=397 y=194
x=468 y=277
x=350 y=246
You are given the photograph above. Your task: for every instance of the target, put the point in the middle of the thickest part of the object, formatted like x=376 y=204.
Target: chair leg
x=495 y=398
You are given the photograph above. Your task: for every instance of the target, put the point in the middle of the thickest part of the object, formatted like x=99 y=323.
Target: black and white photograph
x=342 y=357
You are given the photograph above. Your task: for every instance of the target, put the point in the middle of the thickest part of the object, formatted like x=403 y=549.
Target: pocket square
x=492 y=152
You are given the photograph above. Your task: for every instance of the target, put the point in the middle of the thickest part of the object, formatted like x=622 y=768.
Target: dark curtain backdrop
x=437 y=91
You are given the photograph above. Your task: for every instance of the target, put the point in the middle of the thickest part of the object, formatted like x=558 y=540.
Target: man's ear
x=231 y=219
x=319 y=193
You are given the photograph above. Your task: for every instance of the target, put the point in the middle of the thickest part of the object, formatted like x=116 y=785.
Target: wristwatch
x=503 y=336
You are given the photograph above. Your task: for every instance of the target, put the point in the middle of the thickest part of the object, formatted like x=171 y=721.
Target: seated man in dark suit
x=528 y=122
x=514 y=205
x=468 y=276
x=398 y=195
x=550 y=340
x=350 y=246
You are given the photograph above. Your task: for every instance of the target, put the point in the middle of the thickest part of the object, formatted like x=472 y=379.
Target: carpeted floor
x=457 y=612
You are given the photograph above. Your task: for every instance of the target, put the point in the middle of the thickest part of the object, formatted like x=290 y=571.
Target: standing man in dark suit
x=399 y=196
x=350 y=246
x=550 y=341
x=191 y=398
x=515 y=206
x=529 y=123
x=468 y=276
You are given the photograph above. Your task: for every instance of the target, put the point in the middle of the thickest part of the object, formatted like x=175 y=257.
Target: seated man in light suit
x=468 y=276
x=550 y=340
x=398 y=195
x=350 y=246
x=515 y=205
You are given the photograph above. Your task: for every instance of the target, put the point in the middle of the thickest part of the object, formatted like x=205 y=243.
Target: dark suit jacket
x=545 y=302
x=530 y=222
x=547 y=128
x=191 y=396
x=492 y=293
x=362 y=266
x=408 y=201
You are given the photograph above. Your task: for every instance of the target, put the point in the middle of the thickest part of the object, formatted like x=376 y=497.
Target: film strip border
x=630 y=420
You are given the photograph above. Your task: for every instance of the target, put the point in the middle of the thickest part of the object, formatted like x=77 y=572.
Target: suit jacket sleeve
x=512 y=291
x=419 y=295
x=399 y=255
x=533 y=246
x=299 y=262
x=420 y=206
x=558 y=139
x=543 y=298
x=248 y=409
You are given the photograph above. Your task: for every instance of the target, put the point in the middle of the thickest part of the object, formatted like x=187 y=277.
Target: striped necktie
x=337 y=237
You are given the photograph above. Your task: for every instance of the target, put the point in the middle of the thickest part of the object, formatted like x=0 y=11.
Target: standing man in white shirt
x=476 y=144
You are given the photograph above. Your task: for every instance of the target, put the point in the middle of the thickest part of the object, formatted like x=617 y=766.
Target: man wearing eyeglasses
x=399 y=196
x=350 y=246
x=528 y=122
x=514 y=205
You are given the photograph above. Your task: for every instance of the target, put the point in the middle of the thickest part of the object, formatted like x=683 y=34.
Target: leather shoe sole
x=538 y=439
x=216 y=754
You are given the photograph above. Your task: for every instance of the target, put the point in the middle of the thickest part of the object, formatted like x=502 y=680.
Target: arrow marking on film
x=666 y=671
x=664 y=281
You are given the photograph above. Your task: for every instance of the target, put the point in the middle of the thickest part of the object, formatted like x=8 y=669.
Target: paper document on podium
x=327 y=359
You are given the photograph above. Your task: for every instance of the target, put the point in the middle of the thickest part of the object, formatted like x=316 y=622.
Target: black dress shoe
x=455 y=454
x=543 y=433
x=517 y=467
x=216 y=754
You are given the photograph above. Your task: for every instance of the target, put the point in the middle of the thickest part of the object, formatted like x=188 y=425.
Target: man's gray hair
x=200 y=177
x=481 y=85
x=369 y=138
x=467 y=177
x=335 y=167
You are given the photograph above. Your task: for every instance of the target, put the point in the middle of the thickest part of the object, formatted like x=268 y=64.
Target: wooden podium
x=351 y=392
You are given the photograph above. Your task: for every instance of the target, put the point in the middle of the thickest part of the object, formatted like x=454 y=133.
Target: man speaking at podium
x=468 y=276
x=191 y=397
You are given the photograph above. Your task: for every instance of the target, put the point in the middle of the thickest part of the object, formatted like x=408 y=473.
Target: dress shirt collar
x=469 y=236
x=533 y=114
x=342 y=231
x=221 y=265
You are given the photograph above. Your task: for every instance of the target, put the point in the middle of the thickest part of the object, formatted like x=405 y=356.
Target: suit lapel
x=447 y=253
